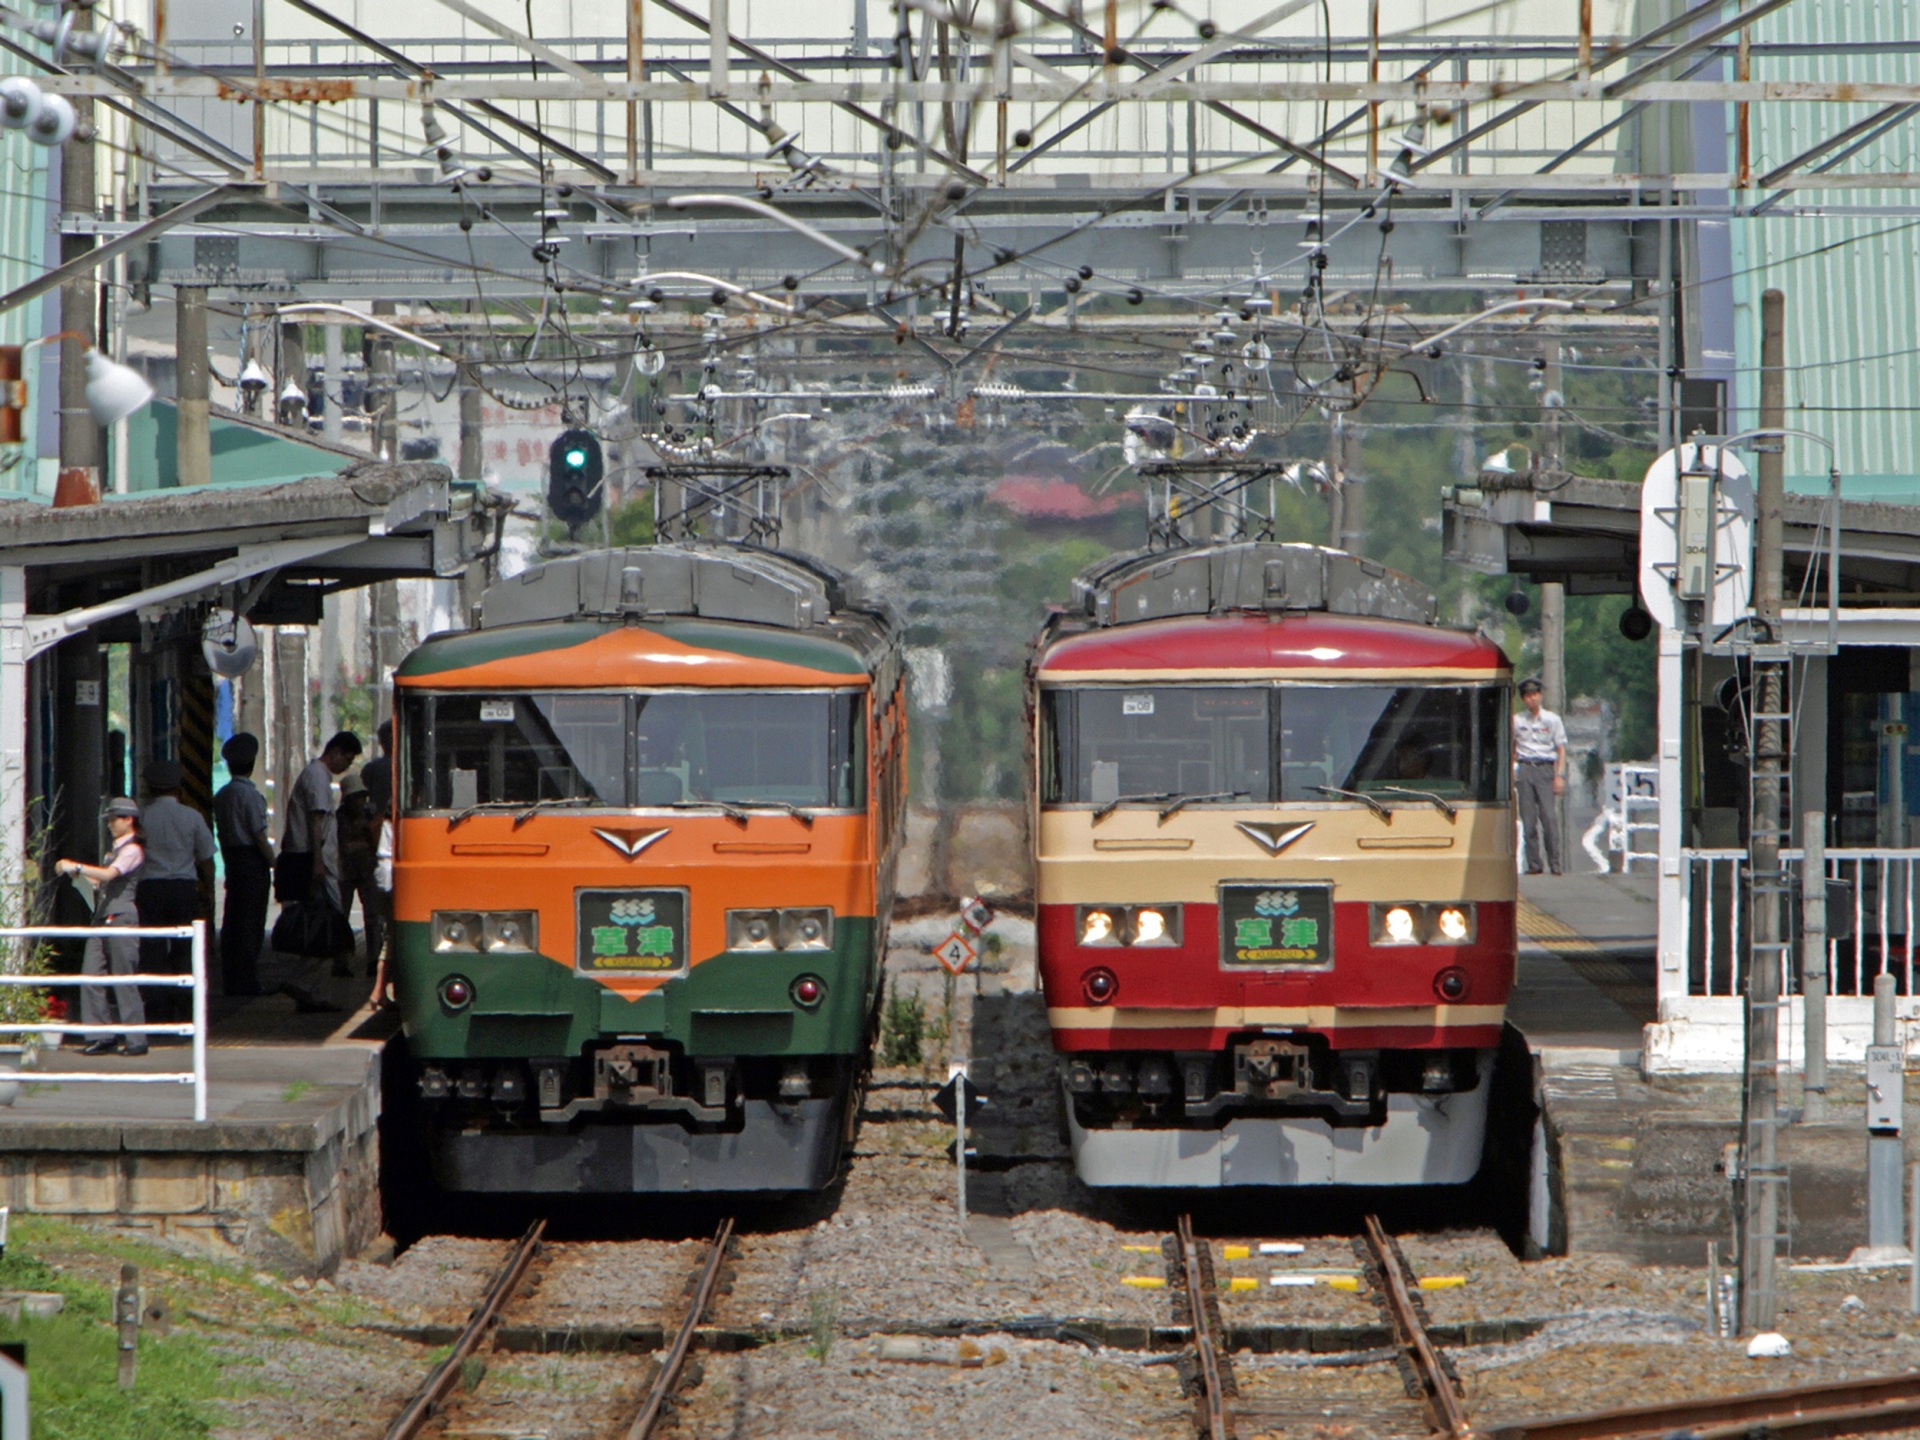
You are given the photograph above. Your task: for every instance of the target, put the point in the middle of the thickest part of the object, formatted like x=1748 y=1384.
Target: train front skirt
x=781 y=1146
x=1424 y=1140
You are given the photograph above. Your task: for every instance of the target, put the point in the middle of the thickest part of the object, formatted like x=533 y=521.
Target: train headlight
x=509 y=932
x=1154 y=925
x=1097 y=928
x=1395 y=925
x=806 y=929
x=1452 y=924
x=1100 y=925
x=752 y=929
x=457 y=931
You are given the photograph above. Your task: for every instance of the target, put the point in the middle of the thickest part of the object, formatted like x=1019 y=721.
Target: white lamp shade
x=253 y=373
x=114 y=391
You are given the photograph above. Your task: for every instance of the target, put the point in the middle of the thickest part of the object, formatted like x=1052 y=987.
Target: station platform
x=285 y=1171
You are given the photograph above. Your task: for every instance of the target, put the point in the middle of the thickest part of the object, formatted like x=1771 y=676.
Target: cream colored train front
x=1274 y=862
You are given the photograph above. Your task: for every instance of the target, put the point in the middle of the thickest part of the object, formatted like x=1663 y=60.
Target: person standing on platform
x=179 y=849
x=113 y=905
x=246 y=851
x=359 y=834
x=378 y=772
x=311 y=832
x=376 y=898
x=1539 y=778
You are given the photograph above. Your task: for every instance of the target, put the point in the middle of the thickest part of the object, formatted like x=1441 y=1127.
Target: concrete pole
x=332 y=387
x=193 y=438
x=1353 y=493
x=1813 y=960
x=80 y=297
x=1553 y=595
x=1762 y=1173
x=471 y=460
x=1884 y=1103
x=382 y=396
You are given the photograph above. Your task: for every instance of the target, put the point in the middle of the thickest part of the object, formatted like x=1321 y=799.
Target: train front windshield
x=1253 y=744
x=630 y=750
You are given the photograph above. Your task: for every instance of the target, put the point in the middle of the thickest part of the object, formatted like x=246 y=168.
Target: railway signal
x=576 y=470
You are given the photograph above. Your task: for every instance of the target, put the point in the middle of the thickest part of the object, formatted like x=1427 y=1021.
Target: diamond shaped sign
x=955 y=953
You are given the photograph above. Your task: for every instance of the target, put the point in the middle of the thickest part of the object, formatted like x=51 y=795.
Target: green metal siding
x=1851 y=278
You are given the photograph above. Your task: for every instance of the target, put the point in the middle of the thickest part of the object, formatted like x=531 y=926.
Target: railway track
x=1432 y=1379
x=483 y=1322
x=1802 y=1412
x=1208 y=1375
x=673 y=1364
x=425 y=1402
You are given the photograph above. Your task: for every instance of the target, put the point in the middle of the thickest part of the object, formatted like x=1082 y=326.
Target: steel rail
x=1212 y=1399
x=441 y=1378
x=1437 y=1388
x=668 y=1379
x=1800 y=1412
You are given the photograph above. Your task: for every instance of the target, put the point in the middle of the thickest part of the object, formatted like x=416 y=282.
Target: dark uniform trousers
x=168 y=902
x=243 y=920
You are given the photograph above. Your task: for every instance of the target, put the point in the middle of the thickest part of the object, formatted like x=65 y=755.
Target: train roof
x=701 y=613
x=1256 y=606
x=1295 y=643
x=1258 y=575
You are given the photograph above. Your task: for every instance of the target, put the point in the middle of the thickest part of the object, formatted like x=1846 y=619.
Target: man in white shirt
x=312 y=835
x=1539 y=778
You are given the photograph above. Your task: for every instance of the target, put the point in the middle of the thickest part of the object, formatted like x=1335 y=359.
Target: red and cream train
x=1275 y=871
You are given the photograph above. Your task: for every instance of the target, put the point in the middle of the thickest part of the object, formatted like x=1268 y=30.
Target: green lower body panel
x=733 y=1004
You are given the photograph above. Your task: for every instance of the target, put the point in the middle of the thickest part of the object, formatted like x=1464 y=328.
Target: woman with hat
x=113 y=905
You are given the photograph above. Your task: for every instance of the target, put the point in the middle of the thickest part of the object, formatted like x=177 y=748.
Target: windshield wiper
x=1185 y=800
x=476 y=808
x=1441 y=805
x=733 y=812
x=1114 y=804
x=1367 y=800
x=558 y=801
x=805 y=817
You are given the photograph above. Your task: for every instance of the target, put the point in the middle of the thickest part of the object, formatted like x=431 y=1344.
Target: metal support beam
x=97 y=256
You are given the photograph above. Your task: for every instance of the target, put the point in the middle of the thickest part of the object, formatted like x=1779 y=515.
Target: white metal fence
x=195 y=980
x=1881 y=901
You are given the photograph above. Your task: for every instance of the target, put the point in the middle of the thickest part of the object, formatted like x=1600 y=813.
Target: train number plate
x=628 y=932
x=1272 y=925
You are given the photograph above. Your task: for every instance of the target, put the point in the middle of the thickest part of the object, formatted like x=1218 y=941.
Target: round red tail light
x=1099 y=986
x=808 y=991
x=456 y=992
x=1452 y=984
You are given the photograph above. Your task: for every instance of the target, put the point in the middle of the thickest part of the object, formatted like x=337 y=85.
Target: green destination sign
x=1276 y=924
x=623 y=931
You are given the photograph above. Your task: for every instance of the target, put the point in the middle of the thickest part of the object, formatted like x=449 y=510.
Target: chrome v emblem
x=630 y=842
x=1270 y=837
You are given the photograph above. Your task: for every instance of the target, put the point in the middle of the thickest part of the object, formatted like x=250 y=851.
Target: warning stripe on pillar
x=196 y=743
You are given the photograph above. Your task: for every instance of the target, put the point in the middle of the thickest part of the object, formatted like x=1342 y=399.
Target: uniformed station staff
x=106 y=953
x=1539 y=778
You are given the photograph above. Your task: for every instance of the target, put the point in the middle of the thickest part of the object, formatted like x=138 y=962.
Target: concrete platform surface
x=1586 y=986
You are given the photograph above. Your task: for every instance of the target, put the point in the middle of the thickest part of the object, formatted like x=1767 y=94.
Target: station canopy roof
x=272 y=551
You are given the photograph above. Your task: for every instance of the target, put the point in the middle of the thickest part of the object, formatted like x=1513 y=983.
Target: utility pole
x=193 y=439
x=382 y=401
x=79 y=297
x=1762 y=1175
x=1553 y=595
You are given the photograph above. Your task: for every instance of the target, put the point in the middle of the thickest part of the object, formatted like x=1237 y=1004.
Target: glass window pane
x=1168 y=740
x=516 y=749
x=1446 y=740
x=803 y=750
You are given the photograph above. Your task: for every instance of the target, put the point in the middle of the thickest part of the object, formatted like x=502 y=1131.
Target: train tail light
x=1452 y=984
x=456 y=992
x=808 y=991
x=1099 y=986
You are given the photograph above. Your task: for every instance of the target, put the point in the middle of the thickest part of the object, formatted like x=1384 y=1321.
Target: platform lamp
x=113 y=391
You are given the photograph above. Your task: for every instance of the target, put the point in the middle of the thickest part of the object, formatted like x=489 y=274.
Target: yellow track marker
x=1443 y=1282
x=1145 y=1282
x=1236 y=1252
x=1242 y=1282
x=1348 y=1283
x=1141 y=1249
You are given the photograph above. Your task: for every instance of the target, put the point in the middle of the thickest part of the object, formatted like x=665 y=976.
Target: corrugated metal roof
x=1852 y=281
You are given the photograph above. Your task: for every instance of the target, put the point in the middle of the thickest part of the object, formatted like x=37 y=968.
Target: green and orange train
x=647 y=818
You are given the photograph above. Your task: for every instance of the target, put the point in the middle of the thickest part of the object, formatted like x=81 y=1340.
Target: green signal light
x=576 y=458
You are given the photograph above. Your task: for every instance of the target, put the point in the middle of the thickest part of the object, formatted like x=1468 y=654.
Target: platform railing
x=1878 y=940
x=195 y=980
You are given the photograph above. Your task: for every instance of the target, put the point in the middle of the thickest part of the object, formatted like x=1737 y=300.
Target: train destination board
x=1269 y=924
x=624 y=931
